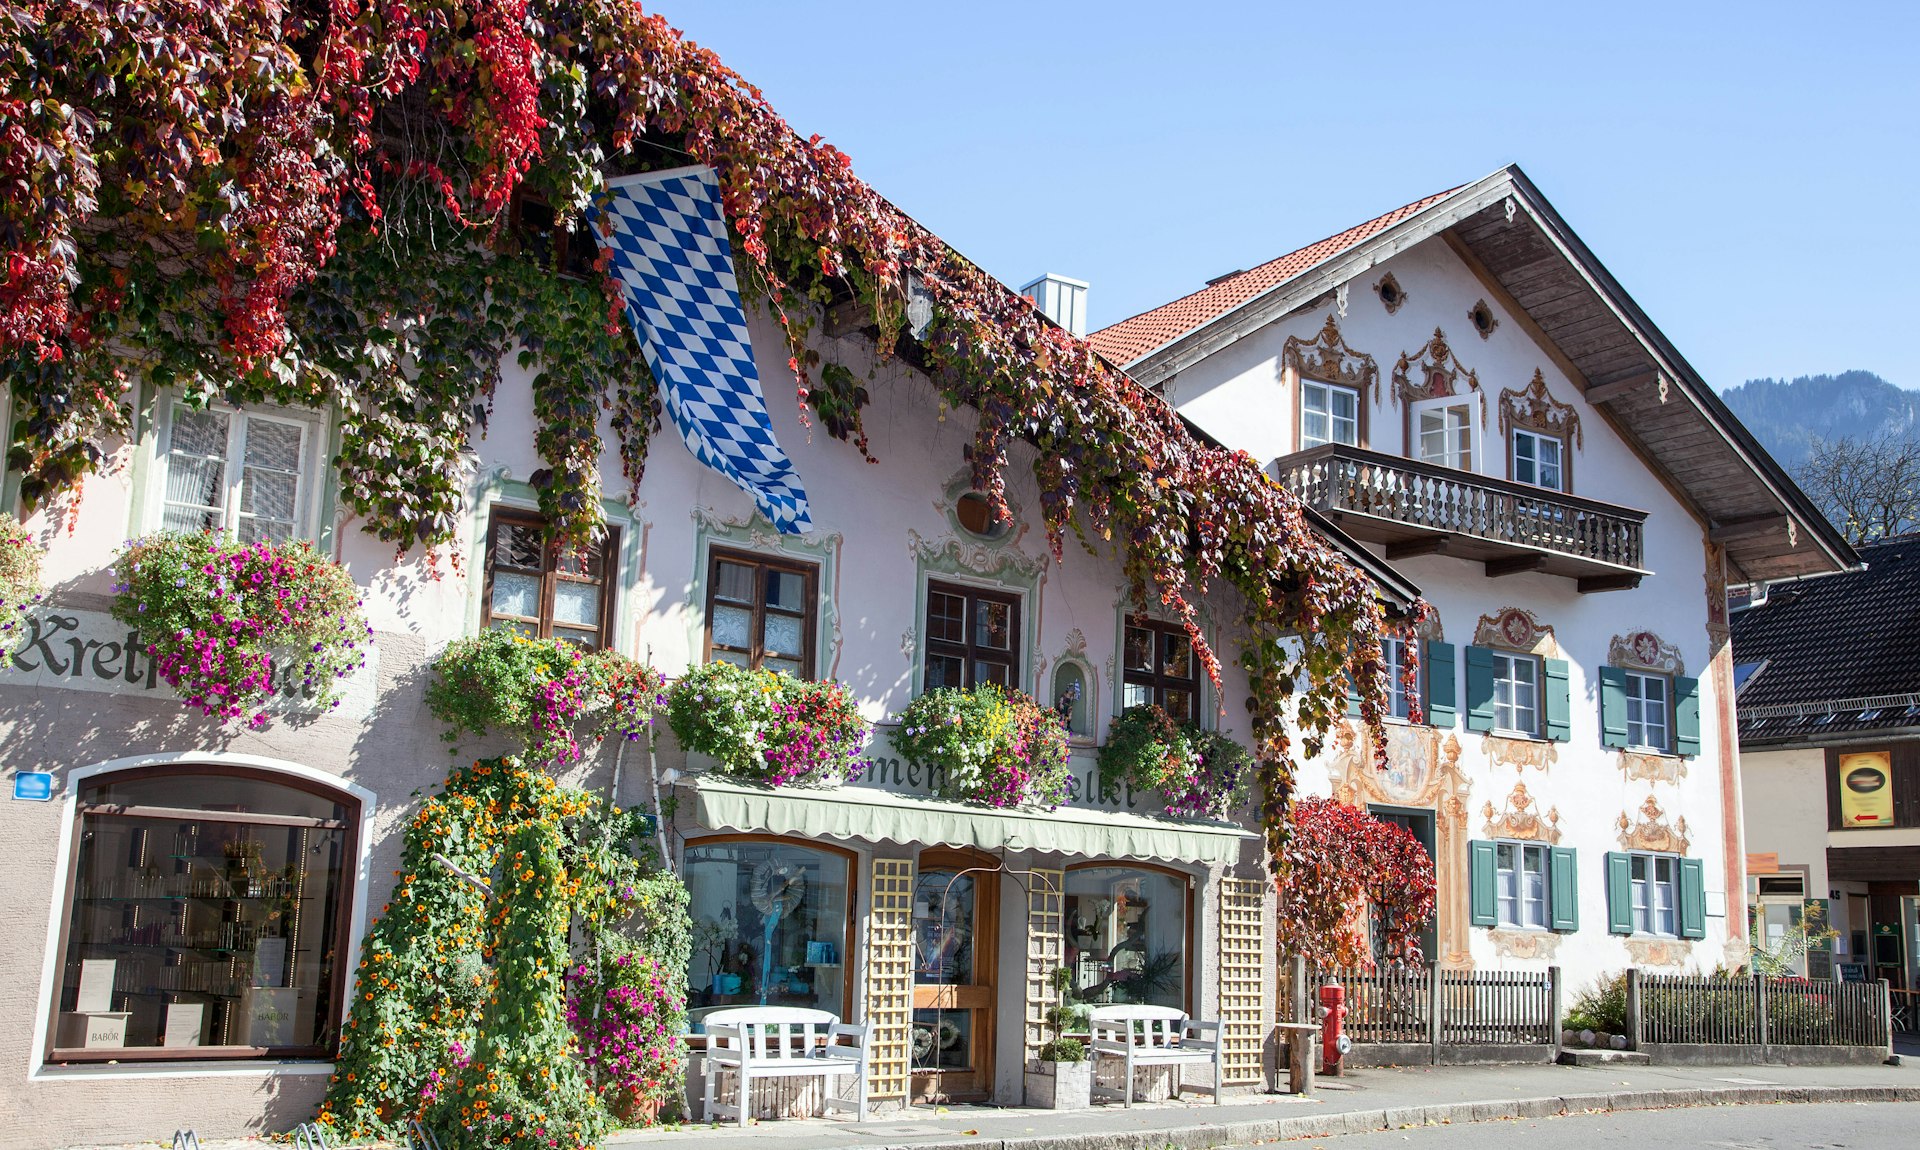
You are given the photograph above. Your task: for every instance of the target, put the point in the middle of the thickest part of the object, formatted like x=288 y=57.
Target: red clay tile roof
x=1128 y=340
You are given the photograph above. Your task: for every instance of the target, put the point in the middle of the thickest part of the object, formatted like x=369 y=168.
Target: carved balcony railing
x=1422 y=509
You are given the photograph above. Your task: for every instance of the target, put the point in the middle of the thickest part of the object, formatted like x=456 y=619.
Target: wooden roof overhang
x=1513 y=239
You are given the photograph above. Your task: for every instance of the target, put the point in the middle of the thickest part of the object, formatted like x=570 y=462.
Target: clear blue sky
x=1747 y=171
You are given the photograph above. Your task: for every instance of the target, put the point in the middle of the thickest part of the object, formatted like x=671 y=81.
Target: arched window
x=1127 y=931
x=208 y=916
x=771 y=924
x=1072 y=696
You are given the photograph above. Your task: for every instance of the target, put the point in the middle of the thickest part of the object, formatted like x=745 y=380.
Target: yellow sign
x=1866 y=789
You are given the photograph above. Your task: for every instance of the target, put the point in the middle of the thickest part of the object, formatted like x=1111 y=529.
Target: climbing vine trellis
x=309 y=201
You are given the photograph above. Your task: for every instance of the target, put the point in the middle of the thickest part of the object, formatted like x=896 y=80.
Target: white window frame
x=1521 y=893
x=1535 y=438
x=1649 y=720
x=1656 y=900
x=1506 y=715
x=1393 y=659
x=1416 y=440
x=313 y=452
x=1327 y=391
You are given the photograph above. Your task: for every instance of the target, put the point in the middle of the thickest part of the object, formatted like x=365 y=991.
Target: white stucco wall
x=1783 y=802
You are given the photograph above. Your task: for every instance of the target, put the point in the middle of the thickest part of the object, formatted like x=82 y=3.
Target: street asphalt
x=1819 y=1126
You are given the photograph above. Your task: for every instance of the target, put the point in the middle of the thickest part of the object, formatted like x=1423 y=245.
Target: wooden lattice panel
x=1244 y=958
x=1046 y=951
x=890 y=979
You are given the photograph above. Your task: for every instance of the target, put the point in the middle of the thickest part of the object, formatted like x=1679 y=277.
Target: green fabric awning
x=876 y=815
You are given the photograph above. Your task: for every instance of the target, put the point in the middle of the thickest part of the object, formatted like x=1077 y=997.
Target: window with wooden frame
x=207 y=917
x=542 y=591
x=760 y=611
x=973 y=637
x=1539 y=460
x=1159 y=668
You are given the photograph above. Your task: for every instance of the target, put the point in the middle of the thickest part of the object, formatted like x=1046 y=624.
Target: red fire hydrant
x=1333 y=1043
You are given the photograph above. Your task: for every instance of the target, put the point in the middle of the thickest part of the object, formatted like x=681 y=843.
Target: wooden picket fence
x=1755 y=1010
x=1416 y=1004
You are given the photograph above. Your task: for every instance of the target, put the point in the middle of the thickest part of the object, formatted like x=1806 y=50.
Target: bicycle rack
x=186 y=1139
x=420 y=1138
x=310 y=1136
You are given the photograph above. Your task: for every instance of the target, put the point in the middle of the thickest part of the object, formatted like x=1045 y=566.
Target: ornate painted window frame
x=499 y=486
x=1325 y=358
x=1534 y=409
x=755 y=534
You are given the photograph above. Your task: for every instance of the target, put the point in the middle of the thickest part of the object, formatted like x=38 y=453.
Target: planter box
x=1060 y=1085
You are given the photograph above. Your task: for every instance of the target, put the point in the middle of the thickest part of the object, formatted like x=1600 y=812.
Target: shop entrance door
x=955 y=908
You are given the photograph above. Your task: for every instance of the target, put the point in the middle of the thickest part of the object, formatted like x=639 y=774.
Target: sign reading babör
x=1866 y=789
x=93 y=651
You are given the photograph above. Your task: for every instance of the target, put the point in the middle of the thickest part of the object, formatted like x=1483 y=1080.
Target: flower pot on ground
x=988 y=745
x=767 y=727
x=1200 y=774
x=228 y=624
x=1060 y=1077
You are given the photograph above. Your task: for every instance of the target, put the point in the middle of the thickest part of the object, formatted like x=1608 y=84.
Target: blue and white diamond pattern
x=675 y=268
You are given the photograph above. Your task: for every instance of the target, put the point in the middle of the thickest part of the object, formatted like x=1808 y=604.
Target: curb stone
x=1211 y=1135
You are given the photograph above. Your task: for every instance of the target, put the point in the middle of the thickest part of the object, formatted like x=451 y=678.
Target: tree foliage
x=307 y=201
x=1340 y=861
x=1868 y=487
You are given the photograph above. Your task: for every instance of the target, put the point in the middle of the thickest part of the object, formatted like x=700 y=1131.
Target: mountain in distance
x=1788 y=416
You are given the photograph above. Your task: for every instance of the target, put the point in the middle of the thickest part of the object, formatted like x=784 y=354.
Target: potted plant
x=766 y=727
x=1200 y=773
x=989 y=745
x=1060 y=1077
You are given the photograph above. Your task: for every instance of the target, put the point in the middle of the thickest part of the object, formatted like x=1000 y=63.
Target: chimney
x=1062 y=300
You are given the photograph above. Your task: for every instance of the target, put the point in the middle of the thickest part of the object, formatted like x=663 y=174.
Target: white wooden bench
x=758 y=1042
x=1141 y=1036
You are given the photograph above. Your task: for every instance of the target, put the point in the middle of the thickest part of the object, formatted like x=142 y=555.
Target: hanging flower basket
x=988 y=745
x=1201 y=774
x=766 y=727
x=557 y=697
x=229 y=624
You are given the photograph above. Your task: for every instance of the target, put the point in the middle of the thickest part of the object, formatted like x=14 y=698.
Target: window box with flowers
x=230 y=624
x=1201 y=774
x=555 y=695
x=761 y=726
x=988 y=744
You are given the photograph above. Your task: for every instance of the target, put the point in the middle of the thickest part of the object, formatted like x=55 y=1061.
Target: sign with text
x=33 y=786
x=1866 y=789
x=93 y=651
x=888 y=770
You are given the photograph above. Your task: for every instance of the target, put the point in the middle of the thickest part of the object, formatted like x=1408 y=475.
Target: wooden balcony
x=1422 y=509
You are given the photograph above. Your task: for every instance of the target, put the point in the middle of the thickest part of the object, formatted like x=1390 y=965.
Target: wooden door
x=955 y=911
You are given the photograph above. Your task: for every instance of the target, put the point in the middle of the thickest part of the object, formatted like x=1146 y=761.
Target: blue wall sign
x=34 y=786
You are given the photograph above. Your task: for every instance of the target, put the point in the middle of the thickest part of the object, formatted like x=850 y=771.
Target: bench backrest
x=770 y=1033
x=1158 y=1025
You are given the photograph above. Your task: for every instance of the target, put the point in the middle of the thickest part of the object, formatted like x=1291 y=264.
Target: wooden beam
x=1504 y=300
x=1588 y=584
x=1741 y=528
x=1620 y=388
x=1515 y=565
x=1410 y=548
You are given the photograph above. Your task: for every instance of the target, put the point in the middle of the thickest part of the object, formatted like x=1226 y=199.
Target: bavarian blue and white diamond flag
x=675 y=267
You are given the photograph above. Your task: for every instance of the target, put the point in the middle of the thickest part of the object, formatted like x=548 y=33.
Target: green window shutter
x=1563 y=878
x=1619 y=893
x=1693 y=899
x=1559 y=694
x=1686 y=716
x=1442 y=699
x=1479 y=689
x=1481 y=909
x=1613 y=707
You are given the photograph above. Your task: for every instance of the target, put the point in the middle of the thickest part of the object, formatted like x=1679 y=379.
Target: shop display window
x=207 y=918
x=770 y=926
x=1127 y=935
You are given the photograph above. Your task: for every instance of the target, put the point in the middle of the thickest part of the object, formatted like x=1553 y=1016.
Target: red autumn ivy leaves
x=274 y=200
x=1340 y=861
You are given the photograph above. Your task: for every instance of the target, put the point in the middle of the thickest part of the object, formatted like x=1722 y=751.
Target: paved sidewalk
x=1369 y=1099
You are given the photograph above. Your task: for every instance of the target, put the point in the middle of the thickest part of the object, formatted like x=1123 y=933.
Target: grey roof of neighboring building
x=1821 y=659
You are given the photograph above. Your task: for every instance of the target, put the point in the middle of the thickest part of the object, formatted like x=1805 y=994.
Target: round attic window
x=976 y=516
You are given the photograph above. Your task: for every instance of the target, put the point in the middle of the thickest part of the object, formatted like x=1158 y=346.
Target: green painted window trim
x=144 y=471
x=500 y=487
x=759 y=536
